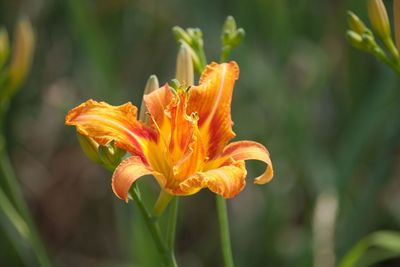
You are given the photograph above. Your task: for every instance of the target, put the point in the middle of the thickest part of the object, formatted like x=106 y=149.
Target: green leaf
x=386 y=241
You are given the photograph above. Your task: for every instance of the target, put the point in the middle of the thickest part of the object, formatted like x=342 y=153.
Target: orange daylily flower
x=185 y=146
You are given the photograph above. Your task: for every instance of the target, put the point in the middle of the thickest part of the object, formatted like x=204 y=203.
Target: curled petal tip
x=127 y=172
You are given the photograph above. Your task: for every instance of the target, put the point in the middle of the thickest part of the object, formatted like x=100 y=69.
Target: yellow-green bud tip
x=354 y=23
x=362 y=42
x=229 y=25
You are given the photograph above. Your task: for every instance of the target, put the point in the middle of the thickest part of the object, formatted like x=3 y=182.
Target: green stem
x=226 y=50
x=151 y=223
x=221 y=203
x=382 y=56
x=224 y=231
x=171 y=230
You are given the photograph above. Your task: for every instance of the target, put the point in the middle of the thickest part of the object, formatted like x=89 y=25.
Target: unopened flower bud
x=184 y=66
x=396 y=12
x=4 y=46
x=231 y=36
x=181 y=34
x=229 y=25
x=109 y=156
x=22 y=51
x=118 y=152
x=379 y=18
x=239 y=36
x=355 y=23
x=197 y=38
x=193 y=38
x=151 y=85
x=89 y=147
x=363 y=42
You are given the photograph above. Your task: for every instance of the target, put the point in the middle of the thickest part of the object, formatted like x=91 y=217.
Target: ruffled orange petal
x=247 y=150
x=105 y=123
x=127 y=172
x=156 y=102
x=182 y=126
x=193 y=160
x=227 y=180
x=212 y=101
x=185 y=146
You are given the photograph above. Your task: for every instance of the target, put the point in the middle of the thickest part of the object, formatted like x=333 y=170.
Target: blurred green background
x=329 y=115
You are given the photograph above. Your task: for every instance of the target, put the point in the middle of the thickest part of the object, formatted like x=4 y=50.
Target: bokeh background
x=328 y=113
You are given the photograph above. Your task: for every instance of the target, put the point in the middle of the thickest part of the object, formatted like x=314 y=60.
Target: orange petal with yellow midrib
x=212 y=101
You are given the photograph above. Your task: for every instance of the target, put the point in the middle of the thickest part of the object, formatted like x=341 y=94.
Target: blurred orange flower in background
x=185 y=145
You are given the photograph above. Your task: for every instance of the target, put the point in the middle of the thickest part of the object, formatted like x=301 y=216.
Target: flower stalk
x=154 y=229
x=224 y=231
x=230 y=37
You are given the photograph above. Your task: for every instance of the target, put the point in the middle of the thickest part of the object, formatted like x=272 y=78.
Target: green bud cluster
x=362 y=38
x=192 y=40
x=231 y=36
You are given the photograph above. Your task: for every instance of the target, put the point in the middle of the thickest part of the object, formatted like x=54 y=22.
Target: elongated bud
x=396 y=11
x=23 y=47
x=379 y=18
x=4 y=46
x=151 y=85
x=193 y=38
x=195 y=57
x=355 y=24
x=184 y=66
x=89 y=147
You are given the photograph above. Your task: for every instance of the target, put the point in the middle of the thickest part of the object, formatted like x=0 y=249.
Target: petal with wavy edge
x=248 y=150
x=156 y=103
x=127 y=172
x=104 y=123
x=182 y=126
x=212 y=101
x=227 y=180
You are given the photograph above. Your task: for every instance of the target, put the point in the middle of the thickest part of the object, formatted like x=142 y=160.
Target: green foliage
x=386 y=241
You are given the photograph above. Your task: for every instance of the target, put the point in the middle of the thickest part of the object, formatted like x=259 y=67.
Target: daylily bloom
x=185 y=145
